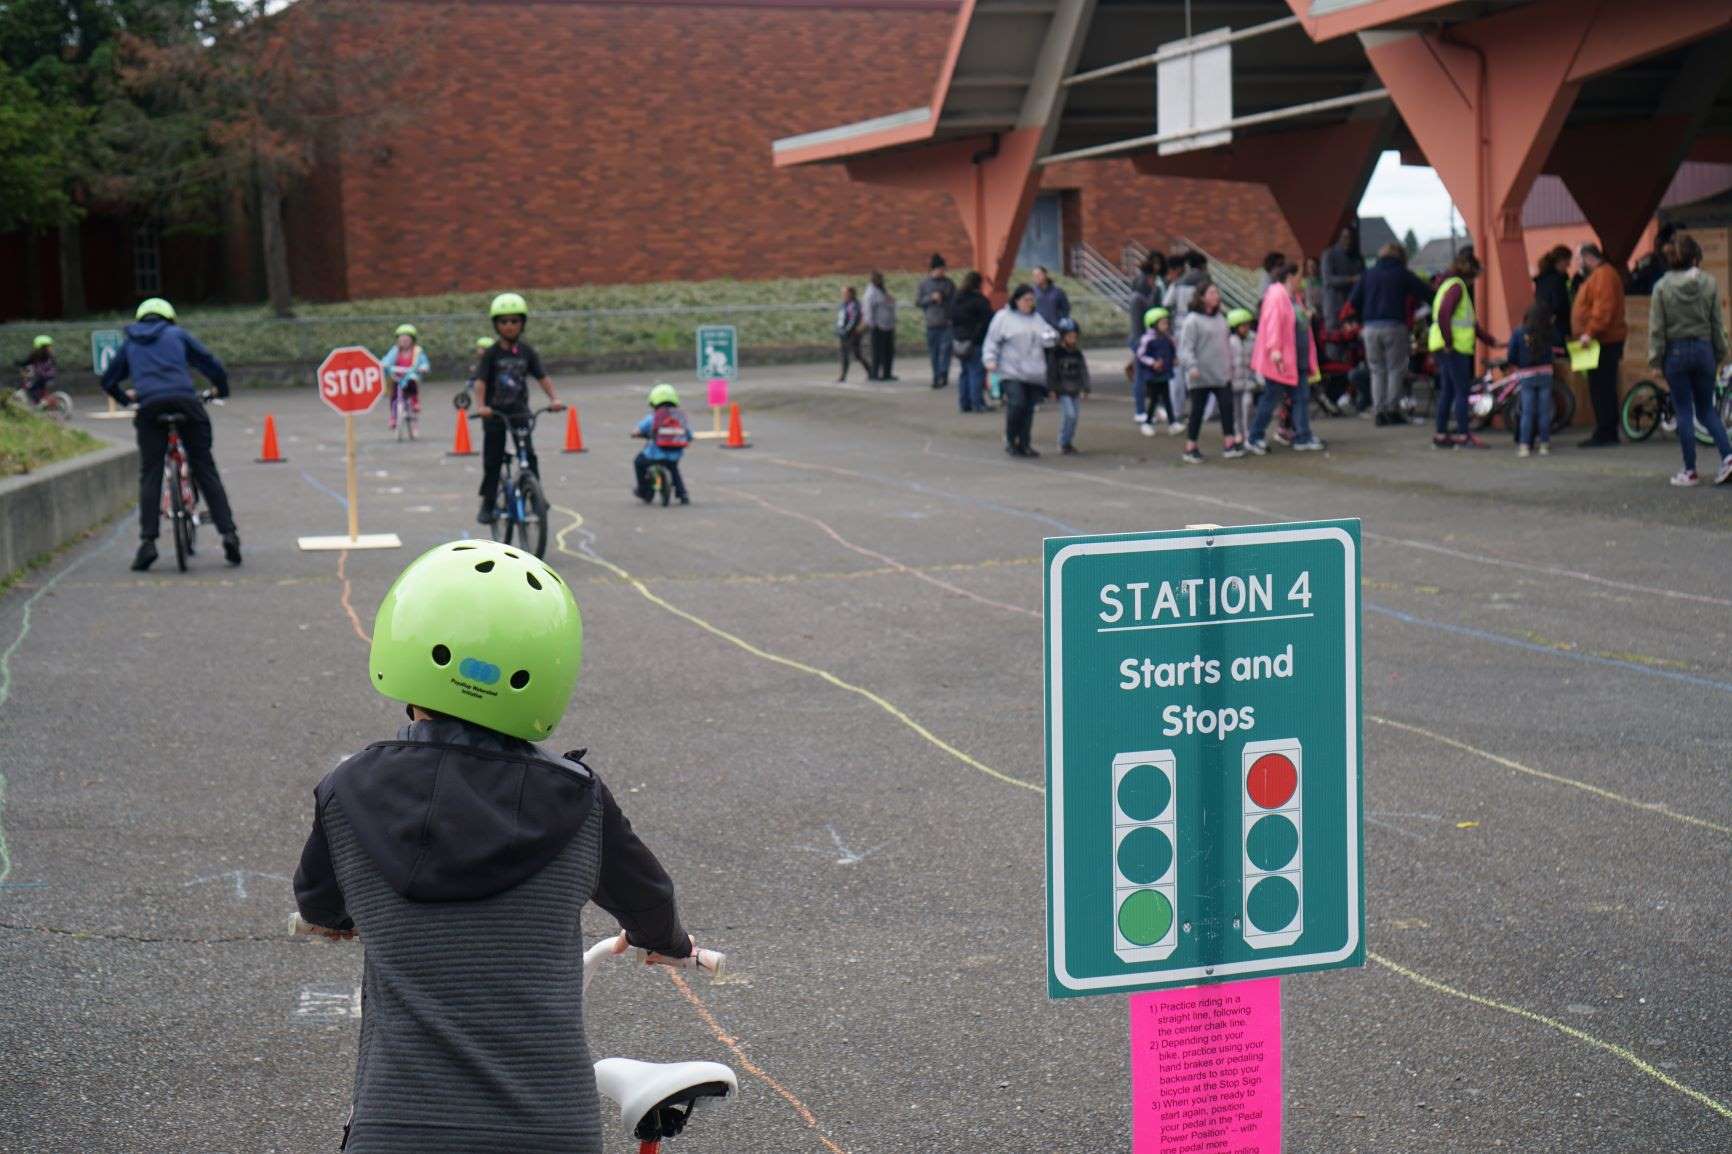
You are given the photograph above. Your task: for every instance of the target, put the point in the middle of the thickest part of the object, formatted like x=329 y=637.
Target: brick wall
x=557 y=144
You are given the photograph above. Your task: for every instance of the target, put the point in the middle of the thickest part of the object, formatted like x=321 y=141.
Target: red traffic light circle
x=1271 y=781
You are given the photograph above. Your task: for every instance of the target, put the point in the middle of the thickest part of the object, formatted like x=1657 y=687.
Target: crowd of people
x=1356 y=334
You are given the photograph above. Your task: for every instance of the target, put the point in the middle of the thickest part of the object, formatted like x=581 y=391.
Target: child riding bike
x=462 y=852
x=406 y=366
x=157 y=356
x=38 y=370
x=669 y=434
x=500 y=385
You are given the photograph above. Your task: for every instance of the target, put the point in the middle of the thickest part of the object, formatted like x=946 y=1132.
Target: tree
x=1410 y=242
x=249 y=98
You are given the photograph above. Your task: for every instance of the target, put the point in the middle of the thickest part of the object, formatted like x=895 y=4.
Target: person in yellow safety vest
x=1454 y=331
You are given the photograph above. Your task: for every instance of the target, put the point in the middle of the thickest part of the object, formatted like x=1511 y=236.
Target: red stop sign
x=350 y=380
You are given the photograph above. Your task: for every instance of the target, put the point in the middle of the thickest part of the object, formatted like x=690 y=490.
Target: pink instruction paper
x=718 y=392
x=1206 y=1069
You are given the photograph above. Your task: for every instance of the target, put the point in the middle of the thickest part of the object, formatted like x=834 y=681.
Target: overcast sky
x=1408 y=198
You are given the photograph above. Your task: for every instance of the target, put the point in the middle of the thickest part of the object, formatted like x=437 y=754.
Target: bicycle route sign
x=718 y=352
x=1203 y=721
x=350 y=380
x=104 y=347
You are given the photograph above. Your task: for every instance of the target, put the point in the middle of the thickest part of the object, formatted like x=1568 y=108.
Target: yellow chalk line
x=811 y=670
x=1583 y=1036
x=1658 y=807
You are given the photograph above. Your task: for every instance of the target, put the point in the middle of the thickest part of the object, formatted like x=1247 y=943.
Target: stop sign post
x=351 y=381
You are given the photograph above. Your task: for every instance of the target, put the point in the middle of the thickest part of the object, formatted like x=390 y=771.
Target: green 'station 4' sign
x=1203 y=751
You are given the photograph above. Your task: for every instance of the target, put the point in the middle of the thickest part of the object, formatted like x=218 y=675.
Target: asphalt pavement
x=817 y=693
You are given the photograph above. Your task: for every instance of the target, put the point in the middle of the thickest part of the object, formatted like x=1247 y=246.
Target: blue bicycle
x=521 y=509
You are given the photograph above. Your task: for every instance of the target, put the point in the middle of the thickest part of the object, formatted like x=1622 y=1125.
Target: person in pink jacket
x=1286 y=357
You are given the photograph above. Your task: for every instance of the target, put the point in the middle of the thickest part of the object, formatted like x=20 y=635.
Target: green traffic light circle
x=1144 y=793
x=1272 y=905
x=1272 y=842
x=1145 y=855
x=1145 y=917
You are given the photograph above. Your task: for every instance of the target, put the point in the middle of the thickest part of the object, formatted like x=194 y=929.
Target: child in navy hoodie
x=1155 y=354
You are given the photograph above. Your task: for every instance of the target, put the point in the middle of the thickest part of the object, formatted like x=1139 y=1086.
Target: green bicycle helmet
x=508 y=305
x=663 y=394
x=408 y=331
x=155 y=306
x=42 y=342
x=481 y=631
x=1153 y=315
x=1238 y=317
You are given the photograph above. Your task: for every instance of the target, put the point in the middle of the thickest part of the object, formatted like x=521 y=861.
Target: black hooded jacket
x=463 y=857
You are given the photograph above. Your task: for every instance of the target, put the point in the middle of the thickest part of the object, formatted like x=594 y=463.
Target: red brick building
x=558 y=142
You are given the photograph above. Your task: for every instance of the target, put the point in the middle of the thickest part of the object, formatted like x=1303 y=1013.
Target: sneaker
x=1685 y=479
x=1545 y=449
x=1233 y=454
x=1468 y=441
x=1191 y=457
x=1725 y=473
x=643 y=495
x=1175 y=428
x=1257 y=448
x=1327 y=404
x=1441 y=441
x=1282 y=436
x=145 y=558
x=232 y=548
x=486 y=515
x=1396 y=417
x=1523 y=451
x=1381 y=420
x=1030 y=451
x=684 y=500
x=1147 y=428
x=1067 y=450
x=1314 y=445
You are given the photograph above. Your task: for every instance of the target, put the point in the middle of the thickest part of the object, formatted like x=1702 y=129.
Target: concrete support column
x=993 y=181
x=1486 y=100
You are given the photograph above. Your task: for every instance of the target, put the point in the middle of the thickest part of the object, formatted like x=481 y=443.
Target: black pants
x=883 y=354
x=642 y=463
x=1200 y=404
x=1020 y=398
x=195 y=439
x=851 y=347
x=493 y=431
x=1603 y=391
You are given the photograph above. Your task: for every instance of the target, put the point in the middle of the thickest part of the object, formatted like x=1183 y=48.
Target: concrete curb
x=43 y=510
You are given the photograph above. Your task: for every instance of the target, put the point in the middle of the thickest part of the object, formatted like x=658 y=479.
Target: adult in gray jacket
x=881 y=322
x=1016 y=344
x=935 y=296
x=1687 y=341
x=1206 y=353
x=1343 y=265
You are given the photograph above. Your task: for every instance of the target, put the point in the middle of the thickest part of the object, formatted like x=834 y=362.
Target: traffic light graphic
x=1272 y=775
x=1145 y=856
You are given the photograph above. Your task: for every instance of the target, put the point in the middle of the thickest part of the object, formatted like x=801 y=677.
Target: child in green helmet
x=668 y=433
x=500 y=386
x=38 y=370
x=461 y=852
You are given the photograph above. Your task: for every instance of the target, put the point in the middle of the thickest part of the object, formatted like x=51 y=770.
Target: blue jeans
x=1689 y=369
x=1537 y=409
x=938 y=347
x=971 y=381
x=1146 y=394
x=1067 y=408
x=1454 y=375
x=1273 y=393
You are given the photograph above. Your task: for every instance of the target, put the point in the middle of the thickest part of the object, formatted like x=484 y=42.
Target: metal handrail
x=1099 y=274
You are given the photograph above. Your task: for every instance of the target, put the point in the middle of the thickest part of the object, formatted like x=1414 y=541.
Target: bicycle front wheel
x=1563 y=406
x=58 y=405
x=504 y=513
x=1643 y=407
x=534 y=507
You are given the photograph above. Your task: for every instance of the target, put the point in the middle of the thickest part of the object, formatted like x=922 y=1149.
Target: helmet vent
x=520 y=679
x=551 y=574
x=484 y=567
x=441 y=655
x=512 y=555
x=460 y=548
x=533 y=583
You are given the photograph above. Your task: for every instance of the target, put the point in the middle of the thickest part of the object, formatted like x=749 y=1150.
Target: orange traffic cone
x=460 y=447
x=736 y=435
x=573 y=432
x=270 y=454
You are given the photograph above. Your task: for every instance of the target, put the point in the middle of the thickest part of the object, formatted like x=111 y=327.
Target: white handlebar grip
x=705 y=961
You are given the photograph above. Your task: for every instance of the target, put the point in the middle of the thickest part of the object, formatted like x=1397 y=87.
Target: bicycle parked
x=1648 y=406
x=1497 y=394
x=655 y=1099
x=520 y=506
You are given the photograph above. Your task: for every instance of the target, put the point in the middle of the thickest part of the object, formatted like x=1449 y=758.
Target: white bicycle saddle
x=639 y=1088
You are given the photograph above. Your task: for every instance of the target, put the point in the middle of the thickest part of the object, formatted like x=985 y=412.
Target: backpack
x=668 y=428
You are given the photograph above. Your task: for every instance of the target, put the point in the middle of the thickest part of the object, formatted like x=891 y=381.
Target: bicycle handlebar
x=708 y=962
x=529 y=417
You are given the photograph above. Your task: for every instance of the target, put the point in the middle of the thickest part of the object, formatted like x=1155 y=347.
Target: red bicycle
x=180 y=496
